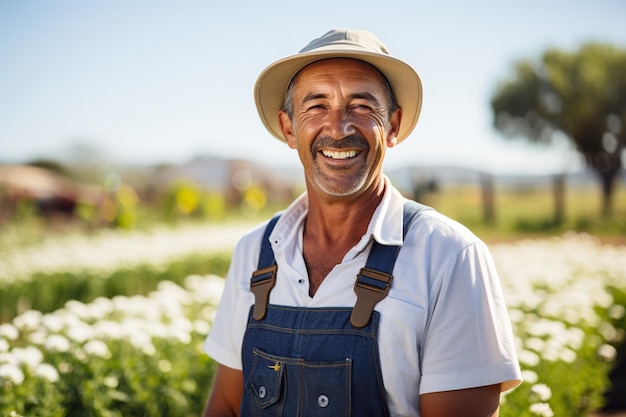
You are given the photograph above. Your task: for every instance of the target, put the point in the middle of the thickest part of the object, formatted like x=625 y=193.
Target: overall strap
x=374 y=280
x=264 y=278
x=372 y=283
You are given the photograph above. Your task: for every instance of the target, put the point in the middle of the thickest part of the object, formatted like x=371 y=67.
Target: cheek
x=304 y=125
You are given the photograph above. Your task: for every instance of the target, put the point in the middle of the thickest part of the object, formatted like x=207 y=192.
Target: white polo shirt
x=444 y=324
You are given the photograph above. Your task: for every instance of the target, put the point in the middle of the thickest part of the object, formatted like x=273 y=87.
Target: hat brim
x=272 y=83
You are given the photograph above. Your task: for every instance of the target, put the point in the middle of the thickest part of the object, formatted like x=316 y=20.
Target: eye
x=362 y=107
x=315 y=108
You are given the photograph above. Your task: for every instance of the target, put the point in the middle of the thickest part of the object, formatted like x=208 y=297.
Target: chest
x=321 y=261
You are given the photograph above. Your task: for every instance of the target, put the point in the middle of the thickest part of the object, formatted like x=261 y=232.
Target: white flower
x=542 y=391
x=8 y=331
x=148 y=349
x=107 y=329
x=568 y=355
x=110 y=381
x=38 y=337
x=80 y=332
x=139 y=339
x=107 y=250
x=201 y=327
x=534 y=343
x=205 y=289
x=617 y=311
x=7 y=357
x=529 y=358
x=608 y=331
x=529 y=376
x=65 y=368
x=81 y=310
x=97 y=348
x=53 y=322
x=541 y=409
x=57 y=343
x=182 y=336
x=607 y=352
x=80 y=354
x=165 y=365
x=29 y=356
x=4 y=345
x=29 y=320
x=47 y=372
x=100 y=307
x=12 y=373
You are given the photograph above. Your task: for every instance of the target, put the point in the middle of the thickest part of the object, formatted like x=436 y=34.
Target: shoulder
x=433 y=229
x=441 y=250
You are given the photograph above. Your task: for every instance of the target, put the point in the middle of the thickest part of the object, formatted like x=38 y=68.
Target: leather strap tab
x=370 y=287
x=261 y=284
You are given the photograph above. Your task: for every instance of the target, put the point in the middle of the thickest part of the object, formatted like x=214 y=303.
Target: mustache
x=349 y=142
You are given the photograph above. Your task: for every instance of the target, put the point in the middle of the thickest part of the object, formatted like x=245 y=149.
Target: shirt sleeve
x=224 y=341
x=468 y=341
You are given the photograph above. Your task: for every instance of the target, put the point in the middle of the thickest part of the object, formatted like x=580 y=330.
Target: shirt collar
x=385 y=226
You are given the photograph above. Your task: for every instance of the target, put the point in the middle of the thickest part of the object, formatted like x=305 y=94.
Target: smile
x=339 y=154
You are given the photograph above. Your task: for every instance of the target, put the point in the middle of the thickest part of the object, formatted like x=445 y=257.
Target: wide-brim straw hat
x=271 y=85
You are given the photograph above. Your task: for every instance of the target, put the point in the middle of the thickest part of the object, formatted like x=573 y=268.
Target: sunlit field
x=111 y=323
x=529 y=211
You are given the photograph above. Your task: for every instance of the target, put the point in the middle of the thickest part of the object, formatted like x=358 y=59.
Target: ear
x=286 y=126
x=394 y=127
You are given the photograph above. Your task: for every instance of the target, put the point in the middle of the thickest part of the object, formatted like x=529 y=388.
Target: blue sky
x=146 y=82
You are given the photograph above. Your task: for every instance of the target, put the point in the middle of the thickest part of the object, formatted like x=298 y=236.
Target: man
x=335 y=309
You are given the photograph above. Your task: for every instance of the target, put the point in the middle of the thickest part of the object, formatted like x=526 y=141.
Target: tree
x=581 y=95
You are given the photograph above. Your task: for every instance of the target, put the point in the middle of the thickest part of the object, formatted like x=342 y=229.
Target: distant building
x=50 y=193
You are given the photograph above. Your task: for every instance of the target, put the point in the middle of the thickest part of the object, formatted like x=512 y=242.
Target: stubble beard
x=341 y=184
x=343 y=188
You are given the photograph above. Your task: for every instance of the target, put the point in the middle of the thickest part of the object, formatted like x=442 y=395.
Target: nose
x=339 y=124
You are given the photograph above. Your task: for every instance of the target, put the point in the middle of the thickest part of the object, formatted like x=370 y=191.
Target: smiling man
x=356 y=301
x=340 y=121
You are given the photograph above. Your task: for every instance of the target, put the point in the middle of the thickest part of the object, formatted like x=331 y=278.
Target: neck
x=341 y=219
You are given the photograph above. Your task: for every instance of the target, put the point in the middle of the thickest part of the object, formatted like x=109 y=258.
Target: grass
x=529 y=211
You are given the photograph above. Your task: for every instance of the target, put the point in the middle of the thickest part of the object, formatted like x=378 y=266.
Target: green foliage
x=117 y=353
x=577 y=387
x=129 y=356
x=577 y=93
x=48 y=292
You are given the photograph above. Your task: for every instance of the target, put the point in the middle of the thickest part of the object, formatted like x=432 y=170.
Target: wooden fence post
x=487 y=187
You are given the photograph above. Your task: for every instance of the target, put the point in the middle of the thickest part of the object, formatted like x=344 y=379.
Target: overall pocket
x=279 y=386
x=265 y=384
x=327 y=389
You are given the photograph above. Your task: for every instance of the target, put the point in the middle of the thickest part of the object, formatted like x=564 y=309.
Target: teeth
x=339 y=154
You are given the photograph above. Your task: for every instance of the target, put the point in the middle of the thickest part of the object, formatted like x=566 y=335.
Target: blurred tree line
x=579 y=94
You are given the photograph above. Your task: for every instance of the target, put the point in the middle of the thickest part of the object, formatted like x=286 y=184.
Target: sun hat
x=272 y=83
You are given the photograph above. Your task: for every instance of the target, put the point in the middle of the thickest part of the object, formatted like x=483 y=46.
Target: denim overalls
x=301 y=361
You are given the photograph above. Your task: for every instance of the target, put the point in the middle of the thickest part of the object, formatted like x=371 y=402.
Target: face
x=341 y=125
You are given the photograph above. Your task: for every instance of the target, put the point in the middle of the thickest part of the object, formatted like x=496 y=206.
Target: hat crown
x=359 y=39
x=273 y=82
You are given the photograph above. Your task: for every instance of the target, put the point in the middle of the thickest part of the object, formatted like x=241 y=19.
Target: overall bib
x=304 y=362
